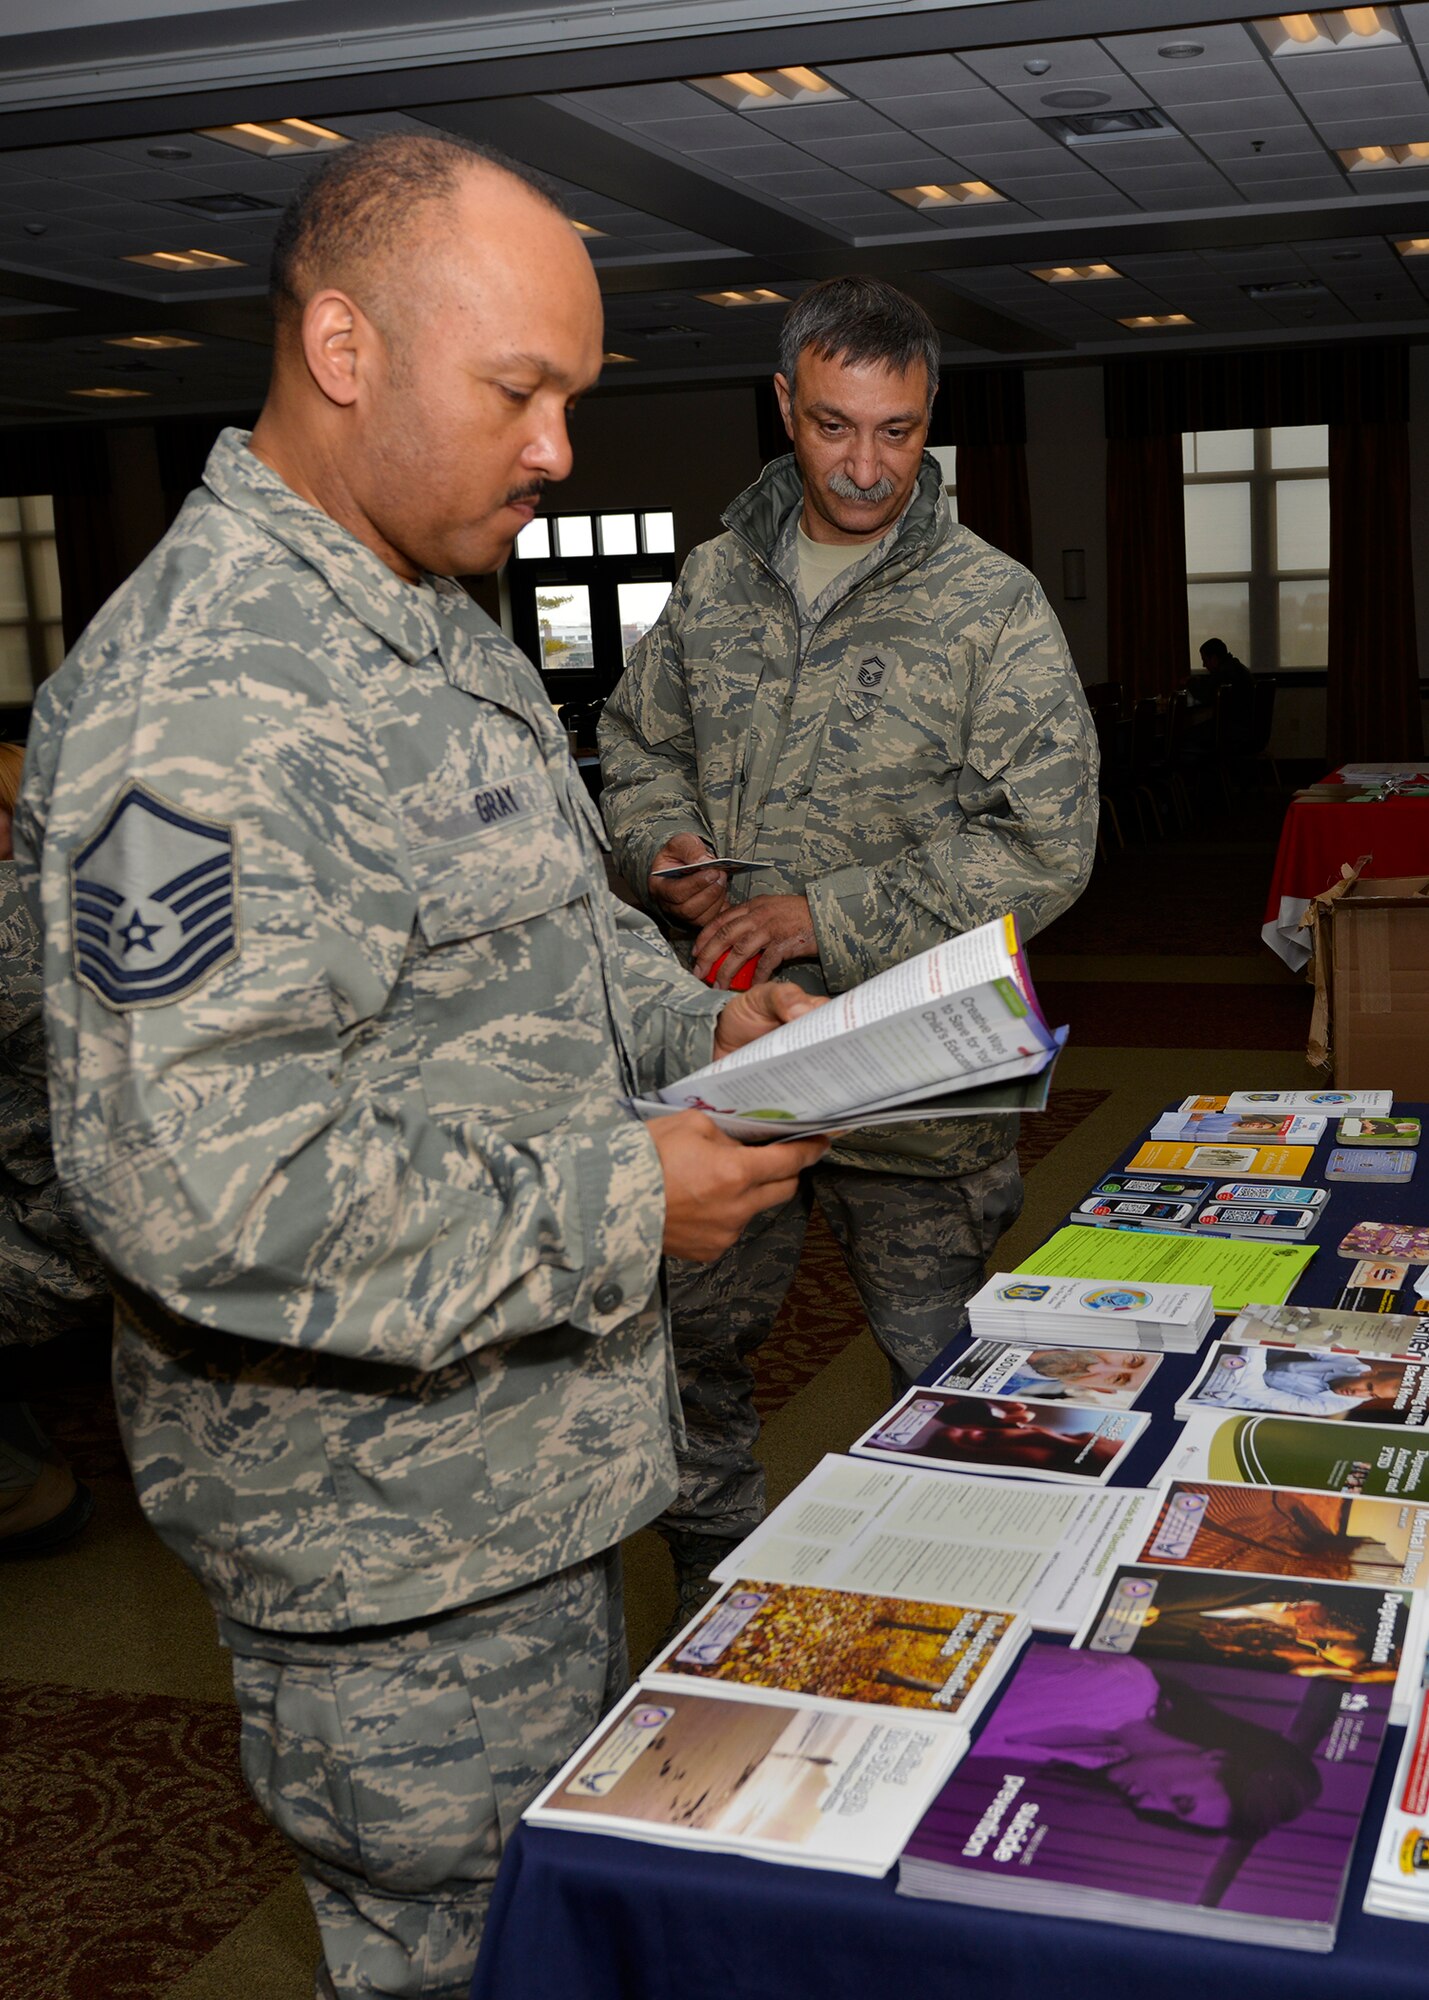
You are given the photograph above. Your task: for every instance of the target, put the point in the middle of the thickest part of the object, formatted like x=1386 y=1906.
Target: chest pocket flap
x=499 y=854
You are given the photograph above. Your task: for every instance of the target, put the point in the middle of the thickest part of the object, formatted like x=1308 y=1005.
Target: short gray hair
x=859 y=320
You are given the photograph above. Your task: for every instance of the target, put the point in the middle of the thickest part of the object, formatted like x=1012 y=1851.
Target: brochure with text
x=1359 y=1634
x=1002 y=1437
x=844 y=1646
x=1246 y=1128
x=1203 y=1798
x=1275 y=1529
x=1258 y=1163
x=1101 y=1378
x=1310 y=1382
x=1287 y=1451
x=1399 y=1876
x=1401 y=1336
x=955 y=1031
x=945 y=1537
x=1083 y=1312
x=1235 y=1271
x=806 y=1784
x=1310 y=1103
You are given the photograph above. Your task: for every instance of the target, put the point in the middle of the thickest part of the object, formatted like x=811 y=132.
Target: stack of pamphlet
x=1237 y=1272
x=1385 y=1462
x=1298 y=1103
x=953 y=1033
x=1171 y=1793
x=1246 y=1128
x=1319 y=1384
x=1077 y=1312
x=821 y=1784
x=1404 y=1336
x=1105 y=1378
x=1210 y=1524
x=1003 y=1437
x=1399 y=1877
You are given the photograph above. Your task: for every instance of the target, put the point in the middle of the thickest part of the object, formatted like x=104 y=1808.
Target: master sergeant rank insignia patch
x=155 y=900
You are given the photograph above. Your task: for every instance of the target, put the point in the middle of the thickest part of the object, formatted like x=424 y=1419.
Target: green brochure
x=1237 y=1272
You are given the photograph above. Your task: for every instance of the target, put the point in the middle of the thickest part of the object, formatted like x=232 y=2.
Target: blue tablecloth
x=587 y=1917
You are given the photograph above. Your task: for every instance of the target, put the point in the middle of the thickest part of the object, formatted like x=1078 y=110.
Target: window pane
x=617 y=535
x=1217 y=528
x=1219 y=611
x=659 y=534
x=54 y=647
x=564 y=614
x=1299 y=444
x=947 y=457
x=45 y=579
x=14 y=663
x=1305 y=622
x=1220 y=451
x=640 y=604
x=533 y=543
x=13 y=603
x=1302 y=524
x=573 y=535
x=9 y=517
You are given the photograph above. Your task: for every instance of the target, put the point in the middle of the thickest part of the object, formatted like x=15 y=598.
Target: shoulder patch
x=155 y=902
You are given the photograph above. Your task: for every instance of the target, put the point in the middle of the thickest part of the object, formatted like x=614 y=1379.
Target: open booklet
x=955 y=1032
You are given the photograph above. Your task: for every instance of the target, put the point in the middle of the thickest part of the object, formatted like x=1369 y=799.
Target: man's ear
x=336 y=336
x=786 y=402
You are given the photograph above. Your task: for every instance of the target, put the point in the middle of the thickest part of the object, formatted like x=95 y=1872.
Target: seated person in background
x=1230 y=690
x=50 y=1280
x=1222 y=665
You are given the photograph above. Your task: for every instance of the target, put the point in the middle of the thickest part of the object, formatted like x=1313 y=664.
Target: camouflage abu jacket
x=48 y=1273
x=339 y=1013
x=912 y=751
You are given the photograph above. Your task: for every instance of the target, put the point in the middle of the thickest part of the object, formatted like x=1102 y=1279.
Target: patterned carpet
x=142 y=1848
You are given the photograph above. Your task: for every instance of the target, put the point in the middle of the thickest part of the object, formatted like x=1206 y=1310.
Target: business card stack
x=1091 y=1312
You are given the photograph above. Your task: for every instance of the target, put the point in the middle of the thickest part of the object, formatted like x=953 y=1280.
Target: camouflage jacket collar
x=407 y=616
x=761 y=513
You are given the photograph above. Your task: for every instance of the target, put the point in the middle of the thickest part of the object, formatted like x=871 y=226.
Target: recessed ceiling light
x=1329 y=28
x=617 y=357
x=1142 y=320
x=183 y=260
x=586 y=228
x=757 y=297
x=276 y=137
x=1379 y=159
x=946 y=194
x=1092 y=128
x=1076 y=100
x=109 y=394
x=149 y=341
x=1180 y=51
x=1412 y=246
x=1067 y=274
x=753 y=90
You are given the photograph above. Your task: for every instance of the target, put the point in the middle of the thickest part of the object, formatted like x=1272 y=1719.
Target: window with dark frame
x=1258 y=544
x=31 y=635
x=583 y=589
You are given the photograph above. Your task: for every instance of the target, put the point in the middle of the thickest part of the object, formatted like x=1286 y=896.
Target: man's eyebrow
x=832 y=410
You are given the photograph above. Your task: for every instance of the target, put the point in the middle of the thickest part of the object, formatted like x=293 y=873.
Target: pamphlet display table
x=589 y=1917
x=1318 y=835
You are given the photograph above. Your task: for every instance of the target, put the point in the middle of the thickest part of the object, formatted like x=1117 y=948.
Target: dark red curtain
x=993 y=499
x=1372 y=704
x=1148 y=636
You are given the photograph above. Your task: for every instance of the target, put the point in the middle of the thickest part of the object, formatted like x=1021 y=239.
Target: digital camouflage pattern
x=398 y=1765
x=916 y=1248
x=49 y=1276
x=387 y=1244
x=913 y=751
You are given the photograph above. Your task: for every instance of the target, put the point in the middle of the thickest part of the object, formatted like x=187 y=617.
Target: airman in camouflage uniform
x=910 y=750
x=341 y=1015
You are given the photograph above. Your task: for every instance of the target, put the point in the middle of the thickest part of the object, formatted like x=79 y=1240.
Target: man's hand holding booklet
x=955 y=1032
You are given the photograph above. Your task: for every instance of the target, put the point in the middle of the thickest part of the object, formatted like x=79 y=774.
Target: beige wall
x=1066 y=478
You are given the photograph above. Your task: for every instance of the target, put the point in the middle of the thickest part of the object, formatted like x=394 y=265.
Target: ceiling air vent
x=1095 y=128
x=1286 y=288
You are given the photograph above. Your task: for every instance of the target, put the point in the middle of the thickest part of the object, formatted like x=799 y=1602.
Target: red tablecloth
x=1317 y=837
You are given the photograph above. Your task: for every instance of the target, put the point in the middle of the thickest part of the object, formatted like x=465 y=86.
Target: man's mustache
x=848 y=489
x=523 y=494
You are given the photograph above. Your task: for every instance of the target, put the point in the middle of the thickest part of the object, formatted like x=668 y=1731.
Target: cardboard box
x=1372 y=939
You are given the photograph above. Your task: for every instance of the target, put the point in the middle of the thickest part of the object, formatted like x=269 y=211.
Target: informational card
x=1004 y=1437
x=1208 y=1525
x=726 y=863
x=1392 y=1334
x=1236 y=1271
x=1104 y=1378
x=897 y=1531
x=1286 y=1451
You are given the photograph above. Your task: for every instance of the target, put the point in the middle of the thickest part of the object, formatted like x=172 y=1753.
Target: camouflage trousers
x=915 y=1247
x=397 y=1763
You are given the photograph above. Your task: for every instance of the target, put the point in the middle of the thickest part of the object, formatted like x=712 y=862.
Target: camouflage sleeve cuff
x=635 y=853
x=621 y=1192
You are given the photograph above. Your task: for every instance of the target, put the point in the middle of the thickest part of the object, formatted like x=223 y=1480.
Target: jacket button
x=607 y=1298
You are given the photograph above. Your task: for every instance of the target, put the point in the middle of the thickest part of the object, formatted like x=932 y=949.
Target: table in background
x=583 y=1916
x=1320 y=834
